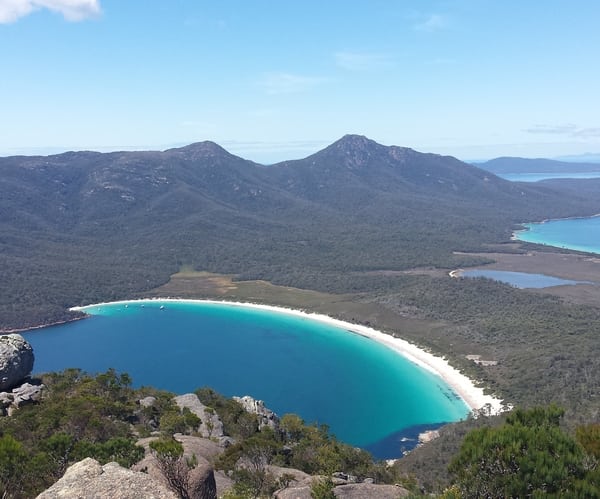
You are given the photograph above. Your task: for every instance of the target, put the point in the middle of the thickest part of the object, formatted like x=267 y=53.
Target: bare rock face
x=21 y=395
x=16 y=361
x=89 y=479
x=369 y=491
x=266 y=417
x=364 y=490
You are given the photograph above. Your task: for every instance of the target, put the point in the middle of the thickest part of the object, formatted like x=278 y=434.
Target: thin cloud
x=288 y=83
x=362 y=61
x=434 y=22
x=568 y=129
x=71 y=10
x=587 y=133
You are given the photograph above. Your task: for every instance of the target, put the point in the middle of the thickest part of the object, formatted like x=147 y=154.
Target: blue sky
x=272 y=80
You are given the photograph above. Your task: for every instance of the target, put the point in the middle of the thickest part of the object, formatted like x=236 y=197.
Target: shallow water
x=369 y=395
x=521 y=279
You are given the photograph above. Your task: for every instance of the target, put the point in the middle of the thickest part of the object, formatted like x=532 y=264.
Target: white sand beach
x=473 y=396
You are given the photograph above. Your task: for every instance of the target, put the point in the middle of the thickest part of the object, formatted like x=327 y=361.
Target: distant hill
x=83 y=227
x=539 y=165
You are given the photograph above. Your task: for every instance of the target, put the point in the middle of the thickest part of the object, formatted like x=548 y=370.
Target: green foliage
x=117 y=449
x=237 y=422
x=12 y=458
x=179 y=421
x=588 y=437
x=322 y=489
x=80 y=416
x=528 y=456
x=167 y=449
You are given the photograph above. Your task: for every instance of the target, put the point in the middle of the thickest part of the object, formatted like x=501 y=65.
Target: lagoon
x=521 y=279
x=369 y=395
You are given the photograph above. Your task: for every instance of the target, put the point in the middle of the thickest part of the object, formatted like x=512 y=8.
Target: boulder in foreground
x=16 y=360
x=91 y=480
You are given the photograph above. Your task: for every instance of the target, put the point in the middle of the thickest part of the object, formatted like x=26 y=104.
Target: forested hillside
x=81 y=227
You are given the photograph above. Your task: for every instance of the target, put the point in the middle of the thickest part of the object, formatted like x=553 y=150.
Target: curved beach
x=473 y=396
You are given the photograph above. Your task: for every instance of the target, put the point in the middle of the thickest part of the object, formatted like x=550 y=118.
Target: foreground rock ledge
x=16 y=360
x=89 y=479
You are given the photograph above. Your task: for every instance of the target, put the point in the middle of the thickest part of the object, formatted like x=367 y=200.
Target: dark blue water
x=521 y=279
x=581 y=234
x=365 y=392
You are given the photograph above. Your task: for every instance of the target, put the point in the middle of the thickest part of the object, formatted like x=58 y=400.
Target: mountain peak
x=354 y=142
x=353 y=151
x=206 y=148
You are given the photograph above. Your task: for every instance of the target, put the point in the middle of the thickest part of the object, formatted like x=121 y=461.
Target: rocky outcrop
x=210 y=424
x=342 y=490
x=369 y=491
x=266 y=417
x=19 y=396
x=89 y=479
x=16 y=361
x=205 y=452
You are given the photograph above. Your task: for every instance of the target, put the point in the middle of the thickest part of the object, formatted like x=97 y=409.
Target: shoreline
x=42 y=326
x=515 y=237
x=578 y=249
x=472 y=395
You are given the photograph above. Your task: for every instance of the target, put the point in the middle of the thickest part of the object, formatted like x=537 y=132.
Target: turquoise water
x=367 y=394
x=535 y=177
x=581 y=234
x=521 y=279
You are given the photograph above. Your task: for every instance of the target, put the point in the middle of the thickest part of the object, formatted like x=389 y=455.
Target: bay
x=581 y=234
x=369 y=395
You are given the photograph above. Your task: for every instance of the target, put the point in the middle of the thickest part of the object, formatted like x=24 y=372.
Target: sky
x=272 y=80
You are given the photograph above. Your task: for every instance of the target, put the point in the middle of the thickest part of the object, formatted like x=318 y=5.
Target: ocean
x=536 y=177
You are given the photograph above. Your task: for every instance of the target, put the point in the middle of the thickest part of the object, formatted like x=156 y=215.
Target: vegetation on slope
x=99 y=416
x=77 y=228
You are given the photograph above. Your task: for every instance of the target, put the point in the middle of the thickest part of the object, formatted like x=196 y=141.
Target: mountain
x=83 y=227
x=538 y=165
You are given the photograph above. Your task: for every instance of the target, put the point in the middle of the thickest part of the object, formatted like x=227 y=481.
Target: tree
x=322 y=489
x=528 y=456
x=183 y=476
x=169 y=456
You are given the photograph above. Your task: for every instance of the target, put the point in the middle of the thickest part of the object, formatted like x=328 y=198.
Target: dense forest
x=83 y=227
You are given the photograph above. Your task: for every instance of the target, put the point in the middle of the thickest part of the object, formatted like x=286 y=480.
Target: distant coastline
x=42 y=326
x=472 y=395
x=573 y=247
x=546 y=220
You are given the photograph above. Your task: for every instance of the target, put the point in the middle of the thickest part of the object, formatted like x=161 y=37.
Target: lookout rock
x=16 y=361
x=89 y=479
